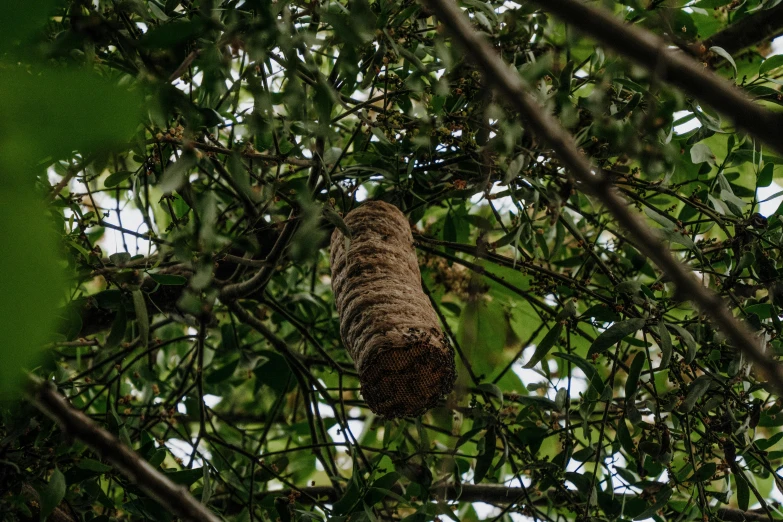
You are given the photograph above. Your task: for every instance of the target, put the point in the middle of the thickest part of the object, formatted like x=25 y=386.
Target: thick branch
x=672 y=66
x=751 y=30
x=171 y=496
x=593 y=181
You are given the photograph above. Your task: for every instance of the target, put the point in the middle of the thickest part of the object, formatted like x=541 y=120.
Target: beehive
x=387 y=322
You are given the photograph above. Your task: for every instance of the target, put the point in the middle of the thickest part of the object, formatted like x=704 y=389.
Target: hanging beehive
x=387 y=322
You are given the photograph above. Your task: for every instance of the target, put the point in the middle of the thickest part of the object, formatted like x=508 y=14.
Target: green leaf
x=666 y=345
x=172 y=34
x=482 y=333
x=545 y=345
x=764 y=178
x=632 y=385
x=157 y=12
x=52 y=494
x=588 y=369
x=661 y=498
x=56 y=111
x=223 y=373
x=658 y=218
x=720 y=51
x=770 y=64
x=93 y=465
x=484 y=460
x=695 y=391
x=762 y=310
x=274 y=373
x=118 y=327
x=112 y=180
x=168 y=279
x=705 y=472
x=624 y=436
x=175 y=174
x=206 y=491
x=743 y=491
x=701 y=153
x=335 y=219
x=158 y=457
x=120 y=258
x=615 y=333
x=493 y=390
x=142 y=318
x=687 y=339
x=31 y=287
x=185 y=477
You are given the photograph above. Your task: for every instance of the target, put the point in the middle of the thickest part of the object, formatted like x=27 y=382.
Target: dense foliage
x=174 y=170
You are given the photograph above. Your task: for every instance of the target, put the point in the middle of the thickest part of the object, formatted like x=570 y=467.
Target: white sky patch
x=530 y=375
x=212 y=400
x=183 y=450
x=132 y=219
x=356 y=427
x=767 y=208
x=361 y=194
x=504 y=204
x=485 y=511
x=691 y=124
x=777 y=46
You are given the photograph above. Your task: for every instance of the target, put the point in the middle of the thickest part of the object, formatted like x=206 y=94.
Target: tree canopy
x=591 y=192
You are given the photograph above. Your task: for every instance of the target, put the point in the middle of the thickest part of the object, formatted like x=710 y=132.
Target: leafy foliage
x=195 y=156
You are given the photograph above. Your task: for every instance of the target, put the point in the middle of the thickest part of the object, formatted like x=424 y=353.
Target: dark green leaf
x=666 y=345
x=142 y=318
x=186 y=477
x=545 y=345
x=484 y=460
x=705 y=472
x=764 y=178
x=661 y=498
x=687 y=339
x=615 y=333
x=695 y=391
x=770 y=64
x=118 y=327
x=93 y=465
x=743 y=491
x=168 y=279
x=116 y=178
x=32 y=287
x=493 y=390
x=632 y=385
x=52 y=494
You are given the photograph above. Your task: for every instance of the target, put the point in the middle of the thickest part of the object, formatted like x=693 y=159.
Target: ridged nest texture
x=387 y=322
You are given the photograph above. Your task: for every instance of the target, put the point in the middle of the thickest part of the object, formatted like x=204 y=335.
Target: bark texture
x=387 y=323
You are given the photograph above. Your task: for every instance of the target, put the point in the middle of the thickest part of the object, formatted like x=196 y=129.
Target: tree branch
x=497 y=495
x=672 y=66
x=751 y=30
x=176 y=499
x=246 y=154
x=258 y=282
x=593 y=181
